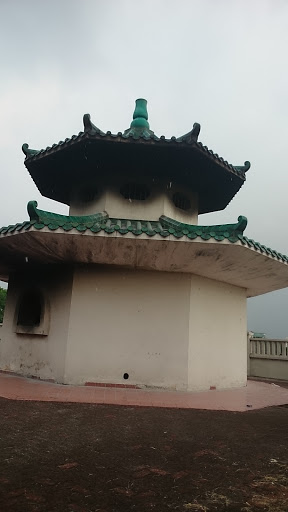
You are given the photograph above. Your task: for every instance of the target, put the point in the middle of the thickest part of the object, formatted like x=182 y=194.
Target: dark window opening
x=126 y=376
x=30 y=309
x=135 y=191
x=181 y=201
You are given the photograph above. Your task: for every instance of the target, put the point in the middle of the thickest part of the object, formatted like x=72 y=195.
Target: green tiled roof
x=164 y=227
x=139 y=131
x=33 y=154
x=94 y=156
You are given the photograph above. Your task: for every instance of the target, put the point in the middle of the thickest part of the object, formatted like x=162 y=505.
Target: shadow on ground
x=57 y=457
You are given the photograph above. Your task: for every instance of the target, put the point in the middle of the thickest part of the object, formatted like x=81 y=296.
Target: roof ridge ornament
x=243 y=168
x=32 y=211
x=89 y=126
x=140 y=126
x=220 y=229
x=191 y=136
x=42 y=216
x=29 y=152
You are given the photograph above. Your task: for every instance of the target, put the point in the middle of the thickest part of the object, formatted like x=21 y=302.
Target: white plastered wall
x=164 y=329
x=158 y=203
x=34 y=355
x=217 y=335
x=133 y=322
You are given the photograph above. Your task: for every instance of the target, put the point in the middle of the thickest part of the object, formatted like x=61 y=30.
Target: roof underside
x=224 y=261
x=93 y=154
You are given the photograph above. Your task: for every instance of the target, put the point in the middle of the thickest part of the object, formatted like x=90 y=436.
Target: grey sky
x=222 y=63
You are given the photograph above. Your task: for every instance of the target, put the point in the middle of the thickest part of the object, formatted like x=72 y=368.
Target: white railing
x=268 y=358
x=269 y=349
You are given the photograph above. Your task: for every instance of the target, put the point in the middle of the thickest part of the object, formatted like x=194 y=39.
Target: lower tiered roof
x=220 y=252
x=165 y=227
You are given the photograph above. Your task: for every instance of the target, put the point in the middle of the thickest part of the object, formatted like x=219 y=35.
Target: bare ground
x=57 y=457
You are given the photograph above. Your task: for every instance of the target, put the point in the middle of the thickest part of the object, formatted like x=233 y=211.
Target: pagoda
x=128 y=289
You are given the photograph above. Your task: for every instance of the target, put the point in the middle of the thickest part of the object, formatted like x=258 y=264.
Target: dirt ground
x=57 y=457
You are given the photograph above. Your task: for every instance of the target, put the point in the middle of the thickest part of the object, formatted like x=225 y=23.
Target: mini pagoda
x=128 y=288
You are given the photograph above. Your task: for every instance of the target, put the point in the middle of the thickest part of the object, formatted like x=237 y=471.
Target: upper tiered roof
x=137 y=152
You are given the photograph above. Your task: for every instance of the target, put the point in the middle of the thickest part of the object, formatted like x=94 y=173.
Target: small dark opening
x=126 y=376
x=181 y=201
x=135 y=191
x=30 y=309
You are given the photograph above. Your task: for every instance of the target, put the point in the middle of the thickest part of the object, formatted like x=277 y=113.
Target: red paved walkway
x=255 y=396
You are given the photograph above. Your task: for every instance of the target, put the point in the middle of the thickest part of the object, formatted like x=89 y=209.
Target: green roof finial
x=140 y=126
x=140 y=115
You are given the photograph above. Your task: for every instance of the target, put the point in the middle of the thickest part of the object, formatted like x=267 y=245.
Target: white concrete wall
x=158 y=203
x=218 y=335
x=128 y=322
x=34 y=355
x=171 y=330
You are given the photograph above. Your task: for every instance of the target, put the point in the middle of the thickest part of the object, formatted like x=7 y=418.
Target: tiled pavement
x=255 y=396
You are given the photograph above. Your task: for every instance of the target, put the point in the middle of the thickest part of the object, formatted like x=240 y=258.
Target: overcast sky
x=222 y=63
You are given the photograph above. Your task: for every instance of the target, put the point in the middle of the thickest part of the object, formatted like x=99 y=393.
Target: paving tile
x=255 y=395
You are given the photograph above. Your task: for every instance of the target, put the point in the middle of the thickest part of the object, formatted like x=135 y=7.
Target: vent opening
x=181 y=201
x=135 y=191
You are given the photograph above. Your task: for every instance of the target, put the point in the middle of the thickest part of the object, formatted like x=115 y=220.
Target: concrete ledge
x=269 y=368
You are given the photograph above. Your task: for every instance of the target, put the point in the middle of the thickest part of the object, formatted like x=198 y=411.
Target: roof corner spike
x=191 y=136
x=243 y=168
x=247 y=166
x=195 y=131
x=32 y=210
x=28 y=152
x=89 y=126
x=242 y=223
x=87 y=122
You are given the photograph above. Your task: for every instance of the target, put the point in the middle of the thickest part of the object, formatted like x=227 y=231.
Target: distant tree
x=3 y=294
